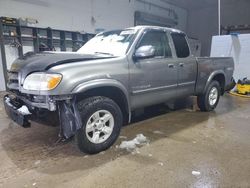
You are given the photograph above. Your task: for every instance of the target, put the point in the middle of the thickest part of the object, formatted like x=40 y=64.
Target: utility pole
x=219 y=16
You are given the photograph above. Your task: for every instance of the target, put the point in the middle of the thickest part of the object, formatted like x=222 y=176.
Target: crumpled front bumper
x=12 y=107
x=65 y=107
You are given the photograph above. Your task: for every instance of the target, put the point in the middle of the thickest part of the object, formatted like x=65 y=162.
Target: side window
x=181 y=45
x=159 y=40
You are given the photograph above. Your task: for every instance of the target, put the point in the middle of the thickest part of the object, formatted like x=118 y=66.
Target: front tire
x=209 y=100
x=101 y=124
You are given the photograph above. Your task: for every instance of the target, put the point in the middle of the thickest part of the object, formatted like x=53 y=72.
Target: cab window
x=181 y=45
x=159 y=40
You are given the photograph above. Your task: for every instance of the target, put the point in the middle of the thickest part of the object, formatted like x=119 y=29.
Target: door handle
x=181 y=64
x=171 y=65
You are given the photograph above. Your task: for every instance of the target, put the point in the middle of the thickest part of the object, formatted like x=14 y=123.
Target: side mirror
x=144 y=52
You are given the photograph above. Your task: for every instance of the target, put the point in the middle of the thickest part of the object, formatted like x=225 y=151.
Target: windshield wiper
x=105 y=53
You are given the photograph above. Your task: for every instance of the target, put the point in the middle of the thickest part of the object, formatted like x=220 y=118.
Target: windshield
x=111 y=43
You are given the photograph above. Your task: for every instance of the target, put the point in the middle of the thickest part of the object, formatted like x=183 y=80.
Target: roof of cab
x=140 y=27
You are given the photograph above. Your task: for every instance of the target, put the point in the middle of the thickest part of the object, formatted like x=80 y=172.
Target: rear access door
x=186 y=65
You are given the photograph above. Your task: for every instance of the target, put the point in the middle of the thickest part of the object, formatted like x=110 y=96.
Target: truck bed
x=209 y=66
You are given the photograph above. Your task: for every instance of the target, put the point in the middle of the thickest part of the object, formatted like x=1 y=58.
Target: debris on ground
x=150 y=155
x=102 y=153
x=131 y=145
x=37 y=162
x=196 y=173
x=158 y=132
x=24 y=110
x=136 y=151
x=160 y=163
x=189 y=110
x=122 y=137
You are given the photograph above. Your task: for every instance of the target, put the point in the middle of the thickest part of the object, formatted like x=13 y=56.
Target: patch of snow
x=131 y=145
x=158 y=132
x=7 y=100
x=196 y=173
x=141 y=138
x=24 y=110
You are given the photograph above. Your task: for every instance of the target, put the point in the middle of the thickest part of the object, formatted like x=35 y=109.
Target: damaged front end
x=69 y=117
x=44 y=92
x=13 y=108
x=60 y=110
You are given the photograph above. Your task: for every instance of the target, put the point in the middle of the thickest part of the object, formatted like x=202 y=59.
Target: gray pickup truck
x=93 y=91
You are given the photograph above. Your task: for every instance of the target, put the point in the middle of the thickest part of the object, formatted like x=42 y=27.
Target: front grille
x=13 y=82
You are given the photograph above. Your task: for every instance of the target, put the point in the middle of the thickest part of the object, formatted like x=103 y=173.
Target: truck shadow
x=35 y=148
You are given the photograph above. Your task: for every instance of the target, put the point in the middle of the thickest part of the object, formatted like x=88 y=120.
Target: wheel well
x=221 y=79
x=110 y=92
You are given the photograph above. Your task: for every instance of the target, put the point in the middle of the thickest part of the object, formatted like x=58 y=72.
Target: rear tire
x=101 y=124
x=209 y=100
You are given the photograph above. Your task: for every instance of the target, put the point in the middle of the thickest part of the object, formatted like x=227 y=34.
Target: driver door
x=153 y=80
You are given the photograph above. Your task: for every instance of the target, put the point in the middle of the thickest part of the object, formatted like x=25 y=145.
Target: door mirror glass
x=145 y=52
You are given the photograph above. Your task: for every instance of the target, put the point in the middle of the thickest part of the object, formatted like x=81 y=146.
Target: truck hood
x=36 y=62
